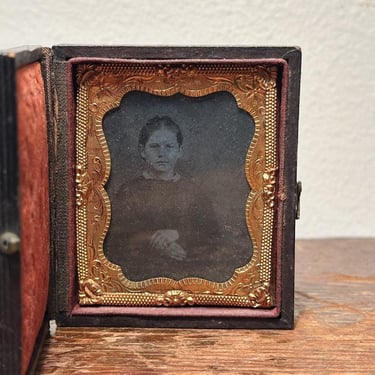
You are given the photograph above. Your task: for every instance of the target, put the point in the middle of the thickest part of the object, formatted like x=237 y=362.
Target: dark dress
x=144 y=206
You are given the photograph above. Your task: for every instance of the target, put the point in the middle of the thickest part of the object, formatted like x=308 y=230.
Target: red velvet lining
x=277 y=243
x=33 y=203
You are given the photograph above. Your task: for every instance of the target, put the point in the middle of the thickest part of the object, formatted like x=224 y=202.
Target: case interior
x=33 y=203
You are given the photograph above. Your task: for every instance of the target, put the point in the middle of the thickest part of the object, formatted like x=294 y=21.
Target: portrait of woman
x=167 y=223
x=177 y=187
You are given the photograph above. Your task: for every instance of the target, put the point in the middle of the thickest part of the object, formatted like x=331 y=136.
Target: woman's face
x=161 y=153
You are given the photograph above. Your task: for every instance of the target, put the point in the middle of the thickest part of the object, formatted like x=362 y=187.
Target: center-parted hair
x=157 y=123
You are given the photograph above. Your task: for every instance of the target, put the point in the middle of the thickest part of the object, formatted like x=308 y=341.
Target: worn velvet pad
x=33 y=203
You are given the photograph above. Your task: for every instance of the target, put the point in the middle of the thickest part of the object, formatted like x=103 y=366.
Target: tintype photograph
x=176 y=171
x=177 y=186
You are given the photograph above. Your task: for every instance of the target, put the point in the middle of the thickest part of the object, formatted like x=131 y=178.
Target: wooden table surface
x=334 y=331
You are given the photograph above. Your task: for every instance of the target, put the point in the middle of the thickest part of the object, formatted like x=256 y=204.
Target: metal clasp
x=9 y=243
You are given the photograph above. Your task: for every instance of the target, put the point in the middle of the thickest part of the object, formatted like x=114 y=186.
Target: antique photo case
x=179 y=183
x=182 y=189
x=146 y=187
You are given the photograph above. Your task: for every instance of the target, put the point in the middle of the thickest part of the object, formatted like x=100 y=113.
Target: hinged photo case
x=148 y=187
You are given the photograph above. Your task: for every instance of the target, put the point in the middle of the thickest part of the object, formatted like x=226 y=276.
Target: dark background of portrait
x=217 y=135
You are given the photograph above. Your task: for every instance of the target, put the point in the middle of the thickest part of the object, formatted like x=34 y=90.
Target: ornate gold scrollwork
x=101 y=86
x=90 y=292
x=269 y=188
x=82 y=185
x=175 y=298
x=260 y=296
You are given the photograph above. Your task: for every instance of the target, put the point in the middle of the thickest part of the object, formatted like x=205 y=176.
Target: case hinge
x=298 y=199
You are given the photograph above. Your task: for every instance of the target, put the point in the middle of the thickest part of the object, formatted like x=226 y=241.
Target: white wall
x=337 y=122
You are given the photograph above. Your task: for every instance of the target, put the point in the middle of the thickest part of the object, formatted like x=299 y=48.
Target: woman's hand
x=176 y=251
x=163 y=237
x=166 y=241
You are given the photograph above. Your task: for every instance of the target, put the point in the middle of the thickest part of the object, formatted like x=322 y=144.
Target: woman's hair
x=157 y=123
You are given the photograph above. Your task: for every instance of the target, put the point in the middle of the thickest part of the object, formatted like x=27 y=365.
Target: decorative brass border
x=101 y=86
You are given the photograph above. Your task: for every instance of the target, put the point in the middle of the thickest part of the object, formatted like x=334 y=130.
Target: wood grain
x=335 y=320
